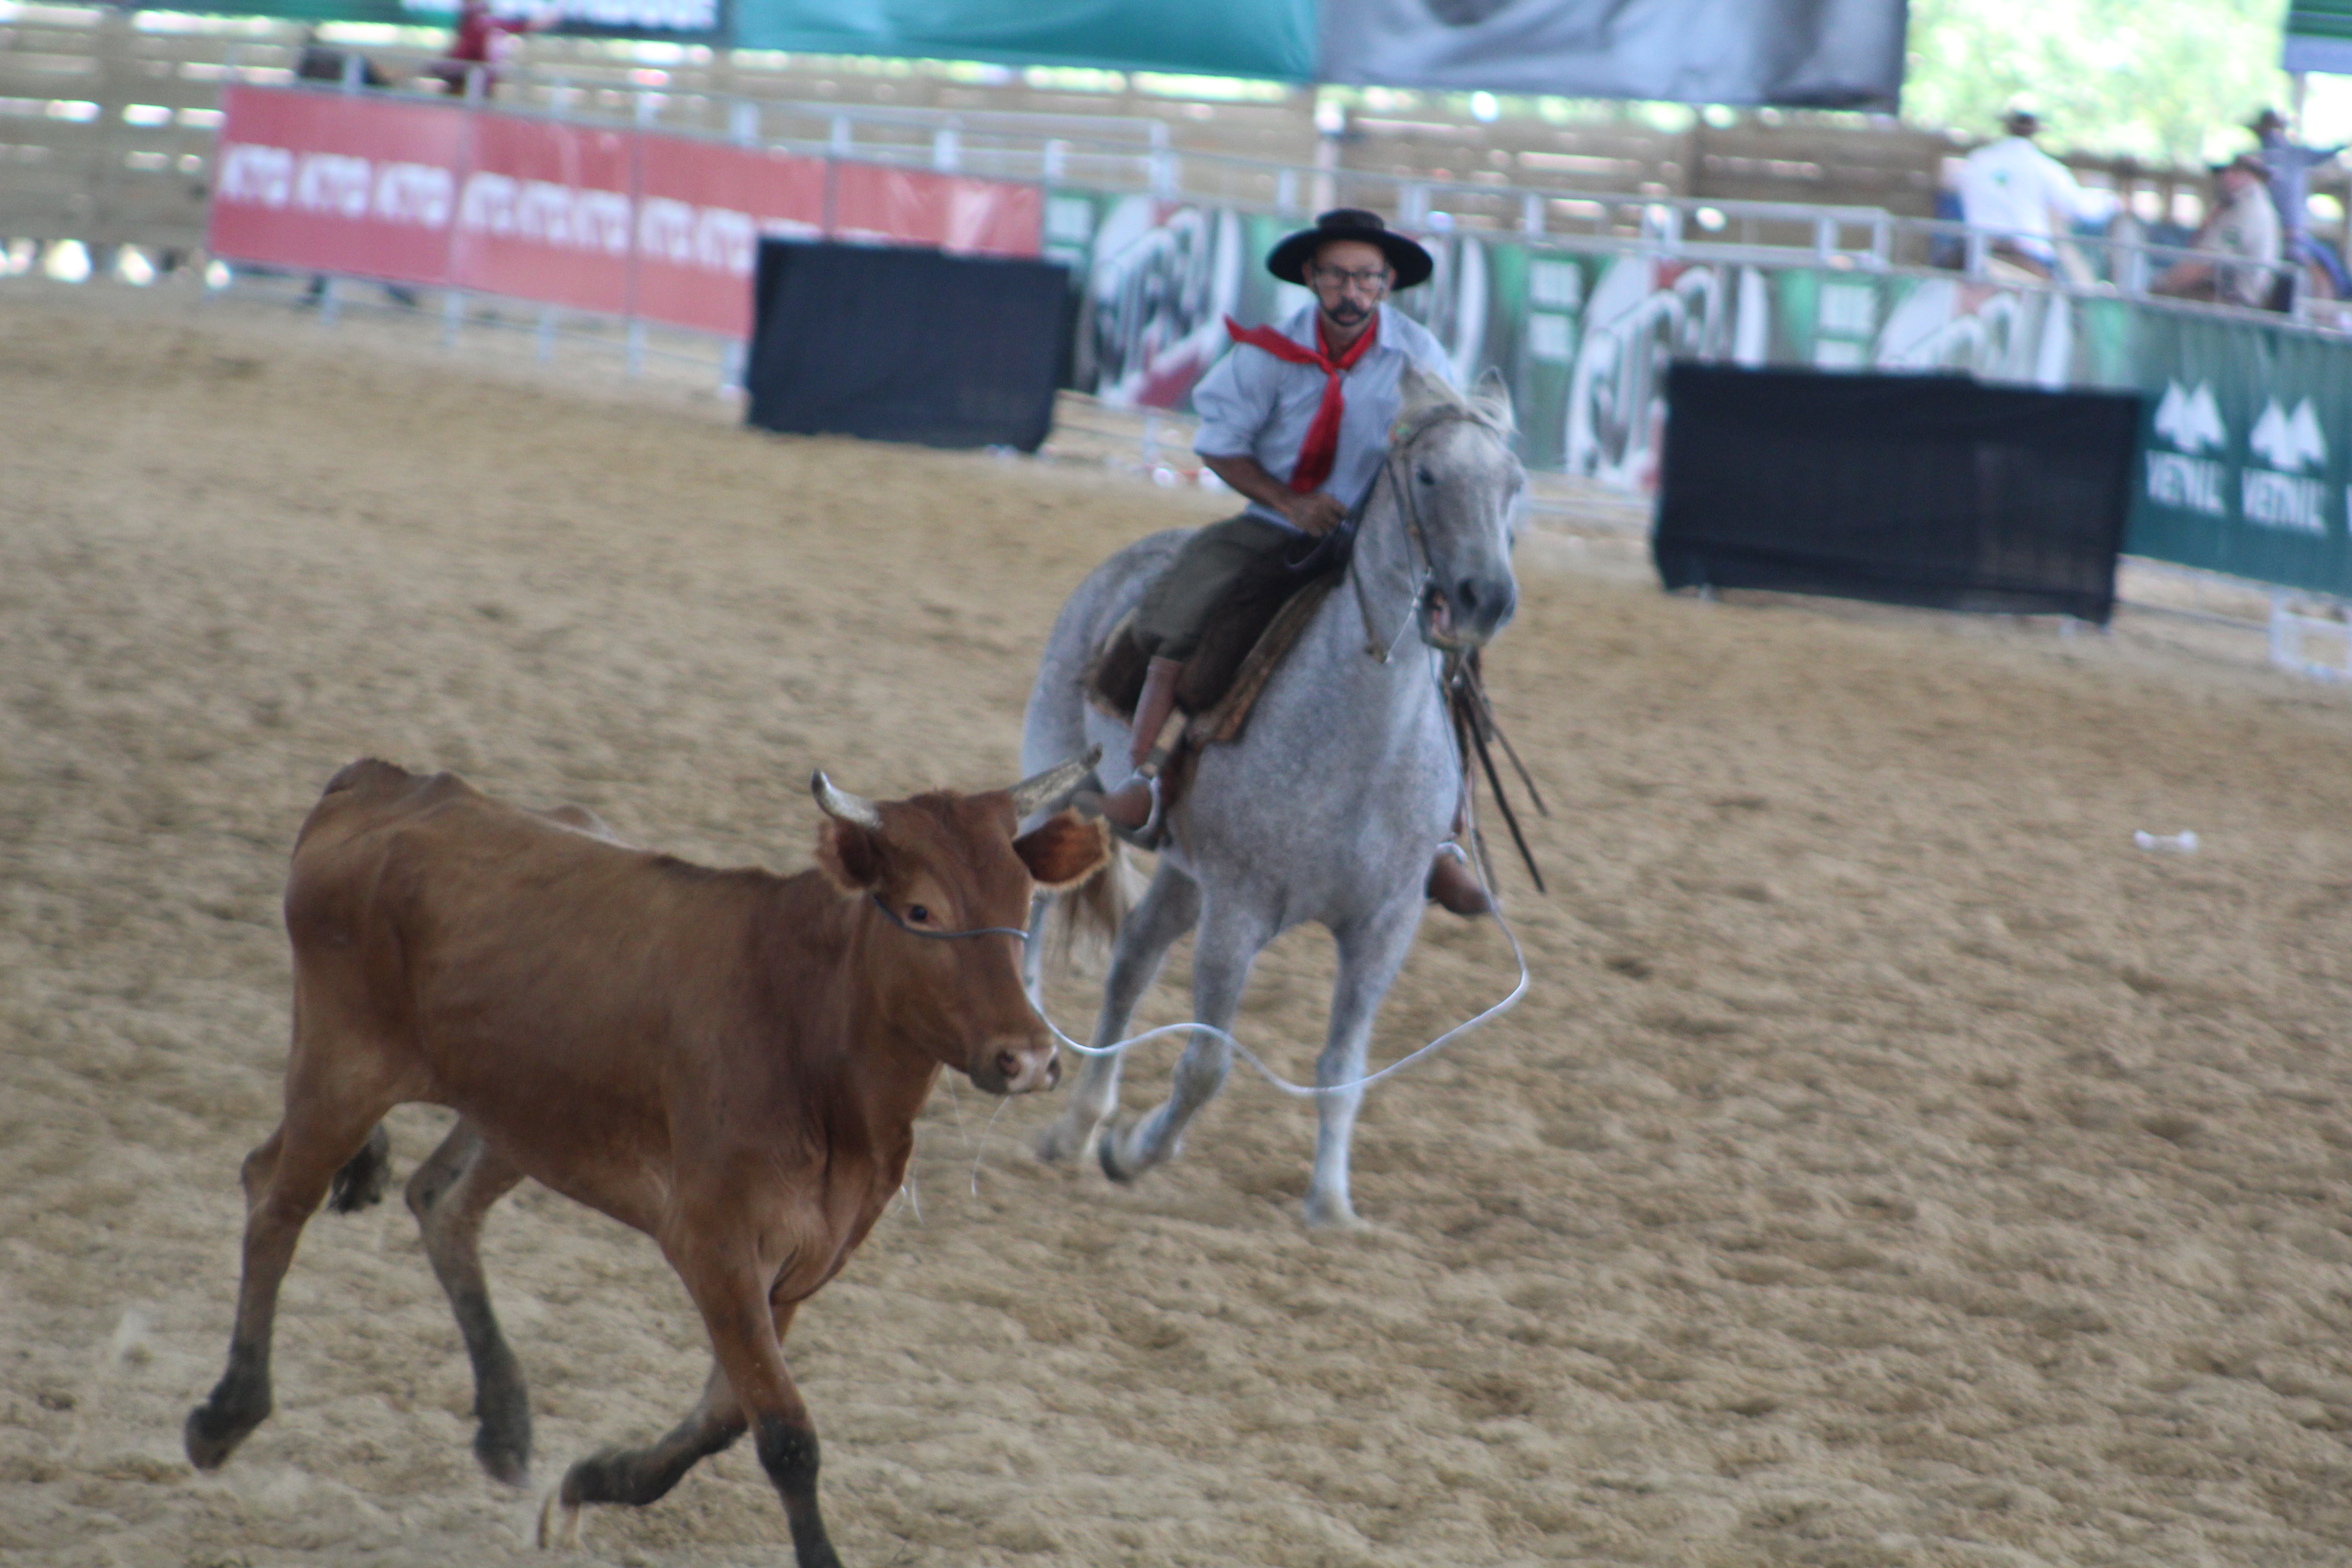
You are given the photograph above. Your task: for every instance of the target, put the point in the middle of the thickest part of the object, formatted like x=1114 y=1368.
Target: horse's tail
x=1085 y=919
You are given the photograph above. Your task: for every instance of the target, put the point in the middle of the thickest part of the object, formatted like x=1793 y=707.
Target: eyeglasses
x=1369 y=280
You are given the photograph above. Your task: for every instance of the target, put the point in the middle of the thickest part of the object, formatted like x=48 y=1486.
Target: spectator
x=2290 y=164
x=2245 y=229
x=482 y=42
x=2016 y=190
x=320 y=63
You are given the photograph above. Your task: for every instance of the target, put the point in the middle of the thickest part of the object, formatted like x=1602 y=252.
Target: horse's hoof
x=1324 y=1214
x=559 y=1523
x=1061 y=1141
x=1106 y=1154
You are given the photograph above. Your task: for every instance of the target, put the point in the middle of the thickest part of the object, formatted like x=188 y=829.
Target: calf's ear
x=850 y=853
x=1063 y=850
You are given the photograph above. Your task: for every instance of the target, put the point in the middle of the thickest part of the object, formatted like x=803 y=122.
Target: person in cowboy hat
x=1296 y=419
x=2290 y=164
x=2016 y=190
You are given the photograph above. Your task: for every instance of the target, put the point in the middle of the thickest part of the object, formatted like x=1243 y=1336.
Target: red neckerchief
x=1321 y=447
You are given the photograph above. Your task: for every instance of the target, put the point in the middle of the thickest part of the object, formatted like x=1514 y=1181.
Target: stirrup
x=1467 y=896
x=1148 y=835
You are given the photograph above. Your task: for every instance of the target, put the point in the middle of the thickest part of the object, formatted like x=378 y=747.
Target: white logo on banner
x=2190 y=421
x=684 y=235
x=2278 y=496
x=255 y=175
x=335 y=184
x=541 y=212
x=2290 y=441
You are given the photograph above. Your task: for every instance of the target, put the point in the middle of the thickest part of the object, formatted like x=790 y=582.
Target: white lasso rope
x=1310 y=1091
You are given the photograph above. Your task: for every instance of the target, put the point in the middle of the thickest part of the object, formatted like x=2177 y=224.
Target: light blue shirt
x=1252 y=405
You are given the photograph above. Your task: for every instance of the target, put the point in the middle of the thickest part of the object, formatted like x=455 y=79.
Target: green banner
x=1271 y=39
x=2247 y=451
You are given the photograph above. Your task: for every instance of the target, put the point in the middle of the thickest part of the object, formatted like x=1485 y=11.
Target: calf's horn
x=840 y=802
x=1035 y=793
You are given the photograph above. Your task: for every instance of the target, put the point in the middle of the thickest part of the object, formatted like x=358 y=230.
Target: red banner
x=337 y=184
x=546 y=214
x=701 y=211
x=892 y=205
x=618 y=222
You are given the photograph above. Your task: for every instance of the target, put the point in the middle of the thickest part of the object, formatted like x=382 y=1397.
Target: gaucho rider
x=1296 y=419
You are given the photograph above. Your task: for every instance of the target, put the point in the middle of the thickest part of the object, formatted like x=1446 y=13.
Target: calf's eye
x=918 y=913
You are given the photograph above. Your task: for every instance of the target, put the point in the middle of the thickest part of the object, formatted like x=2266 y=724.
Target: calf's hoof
x=504 y=1451
x=212 y=1434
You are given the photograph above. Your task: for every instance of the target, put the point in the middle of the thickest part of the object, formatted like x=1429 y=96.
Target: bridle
x=1393 y=470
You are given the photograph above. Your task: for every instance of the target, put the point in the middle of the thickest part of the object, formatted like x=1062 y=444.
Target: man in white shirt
x=2015 y=189
x=1296 y=419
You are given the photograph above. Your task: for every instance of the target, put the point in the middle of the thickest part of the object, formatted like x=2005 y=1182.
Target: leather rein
x=1460 y=681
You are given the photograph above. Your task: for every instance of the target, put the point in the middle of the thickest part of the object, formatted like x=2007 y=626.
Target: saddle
x=1254 y=626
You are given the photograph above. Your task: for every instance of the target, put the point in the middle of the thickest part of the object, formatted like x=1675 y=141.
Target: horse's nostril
x=1009 y=1065
x=1466 y=596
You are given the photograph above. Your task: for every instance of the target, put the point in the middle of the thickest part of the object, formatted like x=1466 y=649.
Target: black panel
x=1914 y=489
x=905 y=344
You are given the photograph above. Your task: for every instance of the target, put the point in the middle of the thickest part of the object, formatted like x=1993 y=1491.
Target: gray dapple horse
x=1333 y=802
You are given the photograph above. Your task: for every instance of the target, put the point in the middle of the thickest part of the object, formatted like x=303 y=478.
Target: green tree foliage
x=2157 y=80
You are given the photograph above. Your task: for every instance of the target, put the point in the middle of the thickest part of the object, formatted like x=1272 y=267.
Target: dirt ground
x=1892 y=1165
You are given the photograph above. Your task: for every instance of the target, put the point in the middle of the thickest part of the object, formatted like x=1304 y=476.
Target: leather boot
x=1453 y=887
x=1133 y=804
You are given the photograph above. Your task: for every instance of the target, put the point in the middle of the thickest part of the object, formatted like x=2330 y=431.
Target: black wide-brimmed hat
x=1409 y=261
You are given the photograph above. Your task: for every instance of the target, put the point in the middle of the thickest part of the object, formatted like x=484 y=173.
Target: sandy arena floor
x=1892 y=1166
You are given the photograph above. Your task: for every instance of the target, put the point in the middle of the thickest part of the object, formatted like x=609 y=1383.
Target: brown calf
x=729 y=1061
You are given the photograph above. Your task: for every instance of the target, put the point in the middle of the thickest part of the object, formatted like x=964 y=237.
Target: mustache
x=1348 y=311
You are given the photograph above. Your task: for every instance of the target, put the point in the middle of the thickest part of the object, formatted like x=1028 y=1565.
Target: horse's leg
x=449 y=1195
x=331 y=1109
x=1227 y=945
x=1371 y=954
x=640 y=1476
x=1166 y=911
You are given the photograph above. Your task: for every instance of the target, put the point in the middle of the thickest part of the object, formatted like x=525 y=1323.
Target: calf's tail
x=364 y=1176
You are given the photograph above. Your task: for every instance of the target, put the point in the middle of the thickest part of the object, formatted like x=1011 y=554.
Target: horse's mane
x=1429 y=400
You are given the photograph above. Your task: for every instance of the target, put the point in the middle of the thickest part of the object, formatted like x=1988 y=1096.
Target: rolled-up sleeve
x=1234 y=400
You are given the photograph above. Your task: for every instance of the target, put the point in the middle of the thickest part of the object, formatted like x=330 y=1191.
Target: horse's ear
x=1419 y=391
x=1491 y=398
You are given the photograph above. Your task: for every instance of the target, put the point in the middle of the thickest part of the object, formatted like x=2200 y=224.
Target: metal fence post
x=453 y=316
x=743 y=121
x=546 y=334
x=946 y=149
x=1532 y=215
